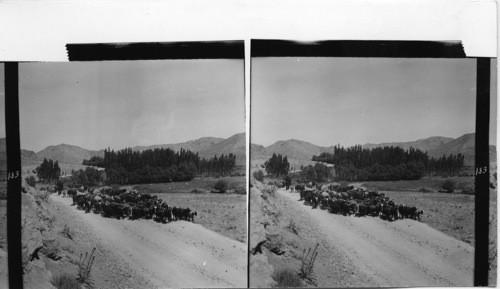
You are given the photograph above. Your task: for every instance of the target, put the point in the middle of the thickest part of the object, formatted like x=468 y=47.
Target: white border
x=39 y=30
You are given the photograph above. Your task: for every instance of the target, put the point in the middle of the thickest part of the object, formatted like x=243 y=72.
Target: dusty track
x=382 y=253
x=179 y=254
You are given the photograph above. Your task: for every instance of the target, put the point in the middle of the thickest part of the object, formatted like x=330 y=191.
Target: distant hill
x=197 y=145
x=438 y=146
x=435 y=146
x=29 y=157
x=464 y=145
x=427 y=144
x=296 y=149
x=207 y=147
x=68 y=154
x=258 y=151
x=235 y=144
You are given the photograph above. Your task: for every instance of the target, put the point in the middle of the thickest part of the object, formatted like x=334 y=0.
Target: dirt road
x=179 y=254
x=381 y=253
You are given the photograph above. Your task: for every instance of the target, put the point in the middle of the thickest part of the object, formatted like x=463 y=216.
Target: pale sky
x=351 y=101
x=128 y=103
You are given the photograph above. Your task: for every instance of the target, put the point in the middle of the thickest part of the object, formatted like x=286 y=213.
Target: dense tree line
x=387 y=163
x=450 y=165
x=149 y=166
x=159 y=165
x=48 y=171
x=88 y=177
x=217 y=166
x=277 y=165
x=317 y=173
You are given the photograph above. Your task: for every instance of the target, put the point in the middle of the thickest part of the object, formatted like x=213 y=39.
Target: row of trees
x=317 y=173
x=387 y=163
x=450 y=165
x=222 y=165
x=159 y=165
x=48 y=171
x=134 y=160
x=88 y=177
x=149 y=166
x=182 y=173
x=277 y=165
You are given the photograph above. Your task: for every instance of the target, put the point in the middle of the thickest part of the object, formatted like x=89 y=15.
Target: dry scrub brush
x=286 y=278
x=65 y=281
x=292 y=227
x=67 y=232
x=308 y=259
x=85 y=267
x=270 y=190
x=275 y=243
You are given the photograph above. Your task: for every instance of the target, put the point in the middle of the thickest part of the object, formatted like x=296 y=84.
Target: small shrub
x=269 y=190
x=425 y=190
x=344 y=184
x=308 y=259
x=221 y=186
x=85 y=267
x=67 y=232
x=286 y=278
x=196 y=191
x=42 y=196
x=65 y=281
x=275 y=243
x=449 y=186
x=31 y=181
x=52 y=250
x=469 y=191
x=292 y=227
x=259 y=176
x=240 y=191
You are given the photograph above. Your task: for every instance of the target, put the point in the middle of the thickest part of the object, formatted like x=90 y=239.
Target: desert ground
x=221 y=213
x=365 y=251
x=135 y=253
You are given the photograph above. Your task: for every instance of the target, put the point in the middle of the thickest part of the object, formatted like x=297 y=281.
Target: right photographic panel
x=362 y=170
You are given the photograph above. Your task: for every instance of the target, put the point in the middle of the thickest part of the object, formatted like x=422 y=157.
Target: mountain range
x=435 y=146
x=206 y=147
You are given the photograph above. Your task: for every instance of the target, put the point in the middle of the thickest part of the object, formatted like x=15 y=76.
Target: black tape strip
x=358 y=48
x=482 y=173
x=13 y=175
x=156 y=51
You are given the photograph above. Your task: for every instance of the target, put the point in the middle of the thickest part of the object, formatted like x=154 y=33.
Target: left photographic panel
x=134 y=173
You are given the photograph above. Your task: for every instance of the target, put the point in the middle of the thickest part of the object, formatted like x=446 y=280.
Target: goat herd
x=347 y=200
x=120 y=203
